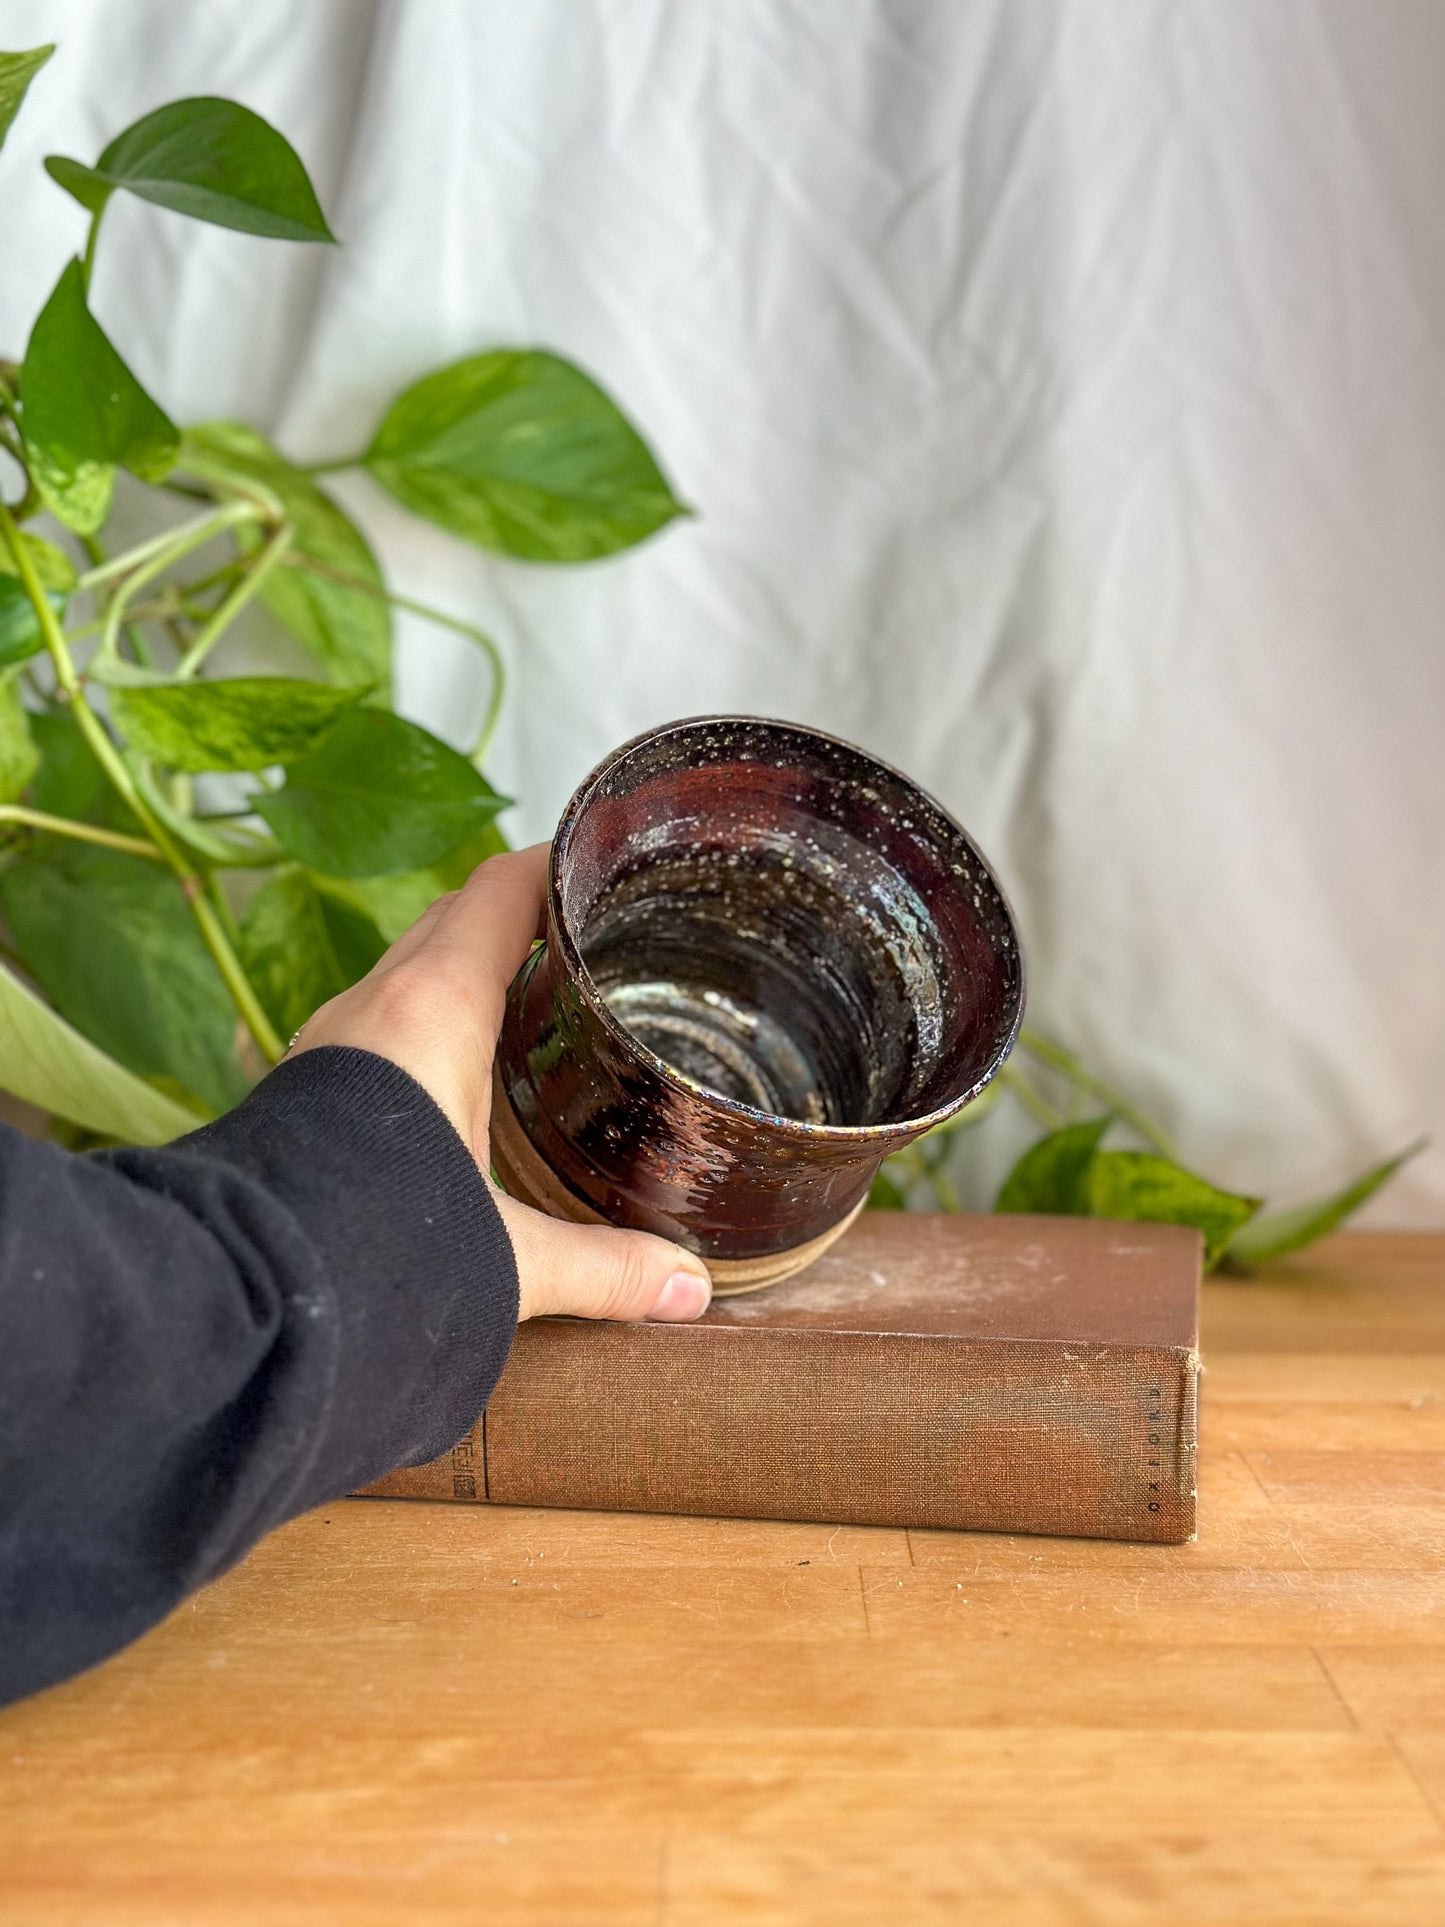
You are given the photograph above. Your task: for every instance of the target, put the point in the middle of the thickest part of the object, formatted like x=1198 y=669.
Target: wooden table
x=406 y=1713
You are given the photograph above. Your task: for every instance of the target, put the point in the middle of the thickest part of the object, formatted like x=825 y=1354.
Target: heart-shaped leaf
x=83 y=413
x=301 y=946
x=244 y=723
x=377 y=796
x=1264 y=1239
x=519 y=451
x=347 y=629
x=211 y=159
x=111 y=943
x=1053 y=1175
x=1139 y=1187
x=44 y=1061
x=395 y=902
x=16 y=73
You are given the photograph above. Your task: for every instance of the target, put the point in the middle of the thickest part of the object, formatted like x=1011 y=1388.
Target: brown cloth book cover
x=1012 y=1374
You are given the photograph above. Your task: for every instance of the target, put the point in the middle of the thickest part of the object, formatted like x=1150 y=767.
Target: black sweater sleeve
x=201 y=1341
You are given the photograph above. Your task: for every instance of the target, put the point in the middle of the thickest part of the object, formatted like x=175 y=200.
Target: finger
x=592 y=1271
x=427 y=924
x=412 y=938
x=492 y=921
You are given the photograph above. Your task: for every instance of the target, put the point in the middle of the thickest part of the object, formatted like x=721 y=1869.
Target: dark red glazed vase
x=770 y=961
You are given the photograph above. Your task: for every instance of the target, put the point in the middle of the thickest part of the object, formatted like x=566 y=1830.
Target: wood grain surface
x=408 y=1713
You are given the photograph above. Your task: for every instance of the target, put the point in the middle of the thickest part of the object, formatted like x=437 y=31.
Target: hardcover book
x=1006 y=1373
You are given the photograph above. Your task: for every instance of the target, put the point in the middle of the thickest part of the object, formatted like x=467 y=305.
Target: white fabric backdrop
x=1062 y=387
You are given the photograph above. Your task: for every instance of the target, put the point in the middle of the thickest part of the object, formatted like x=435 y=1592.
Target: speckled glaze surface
x=770 y=962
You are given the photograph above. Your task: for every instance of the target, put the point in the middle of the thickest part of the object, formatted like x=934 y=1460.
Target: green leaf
x=1264 y=1239
x=70 y=782
x=395 y=902
x=301 y=947
x=16 y=73
x=20 y=636
x=519 y=451
x=211 y=159
x=347 y=630
x=376 y=796
x=82 y=183
x=246 y=723
x=83 y=413
x=46 y=1062
x=1139 y=1187
x=19 y=758
x=110 y=941
x=20 y=633
x=53 y=568
x=1053 y=1175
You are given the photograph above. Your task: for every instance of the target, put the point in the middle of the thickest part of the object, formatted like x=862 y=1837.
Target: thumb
x=592 y=1271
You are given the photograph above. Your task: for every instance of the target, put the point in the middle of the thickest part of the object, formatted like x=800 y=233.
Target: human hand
x=434 y=1005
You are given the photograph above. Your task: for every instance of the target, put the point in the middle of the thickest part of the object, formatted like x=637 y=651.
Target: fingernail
x=684 y=1296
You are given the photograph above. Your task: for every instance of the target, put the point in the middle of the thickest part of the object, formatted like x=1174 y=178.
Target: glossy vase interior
x=772 y=960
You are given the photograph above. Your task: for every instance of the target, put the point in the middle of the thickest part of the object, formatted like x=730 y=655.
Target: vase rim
x=902 y=1129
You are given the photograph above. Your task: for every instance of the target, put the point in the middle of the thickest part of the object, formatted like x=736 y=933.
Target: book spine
x=842 y=1427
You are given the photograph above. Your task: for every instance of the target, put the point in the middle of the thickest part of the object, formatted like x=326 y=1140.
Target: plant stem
x=88 y=260
x=83 y=832
x=160 y=610
x=333 y=467
x=244 y=997
x=190 y=536
x=236 y=601
x=223 y=909
x=442 y=620
x=109 y=758
x=193 y=835
x=244 y=487
x=14 y=444
x=1037 y=1106
x=1059 y=1059
x=213 y=522
x=202 y=583
x=137 y=641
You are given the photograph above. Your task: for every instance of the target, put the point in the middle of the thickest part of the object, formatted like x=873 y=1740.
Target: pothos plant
x=191 y=863
x=194 y=862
